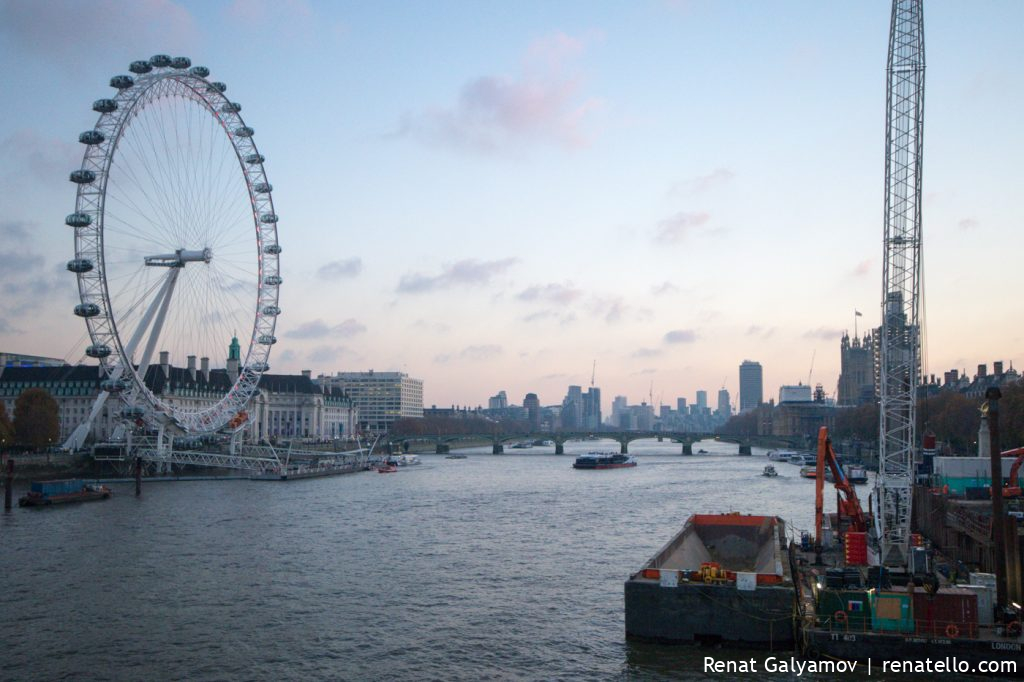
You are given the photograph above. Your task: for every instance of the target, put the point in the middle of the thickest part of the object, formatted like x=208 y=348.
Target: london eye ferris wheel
x=176 y=243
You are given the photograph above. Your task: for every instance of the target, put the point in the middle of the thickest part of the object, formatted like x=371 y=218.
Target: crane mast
x=900 y=363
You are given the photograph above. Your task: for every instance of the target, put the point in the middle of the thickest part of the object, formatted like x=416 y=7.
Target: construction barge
x=724 y=578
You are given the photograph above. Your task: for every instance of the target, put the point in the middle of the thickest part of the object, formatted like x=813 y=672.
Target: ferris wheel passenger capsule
x=271 y=310
x=160 y=60
x=122 y=82
x=200 y=71
x=262 y=188
x=181 y=63
x=87 y=310
x=78 y=220
x=217 y=86
x=104 y=106
x=91 y=137
x=244 y=131
x=113 y=385
x=82 y=176
x=255 y=158
x=140 y=67
x=272 y=280
x=80 y=265
x=259 y=366
x=272 y=249
x=231 y=108
x=98 y=351
x=133 y=412
x=266 y=339
x=268 y=218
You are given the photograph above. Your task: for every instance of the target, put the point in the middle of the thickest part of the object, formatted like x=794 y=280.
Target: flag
x=857 y=313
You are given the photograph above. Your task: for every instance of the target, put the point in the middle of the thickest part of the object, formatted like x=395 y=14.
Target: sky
x=496 y=196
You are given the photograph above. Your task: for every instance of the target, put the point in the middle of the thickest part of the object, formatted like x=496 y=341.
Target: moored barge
x=724 y=578
x=47 y=493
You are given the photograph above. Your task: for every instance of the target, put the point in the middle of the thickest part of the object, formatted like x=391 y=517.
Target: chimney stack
x=307 y=373
x=165 y=360
x=204 y=367
x=192 y=367
x=982 y=371
x=997 y=368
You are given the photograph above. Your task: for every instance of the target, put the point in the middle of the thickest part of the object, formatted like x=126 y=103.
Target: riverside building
x=382 y=398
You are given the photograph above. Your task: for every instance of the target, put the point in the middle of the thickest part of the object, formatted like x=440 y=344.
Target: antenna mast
x=901 y=334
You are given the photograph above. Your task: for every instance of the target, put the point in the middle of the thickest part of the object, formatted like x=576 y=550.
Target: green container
x=856 y=604
x=892 y=612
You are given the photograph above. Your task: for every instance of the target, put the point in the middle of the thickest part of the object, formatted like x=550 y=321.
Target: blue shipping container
x=70 y=485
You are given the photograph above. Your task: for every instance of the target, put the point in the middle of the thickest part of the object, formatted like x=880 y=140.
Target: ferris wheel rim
x=153 y=78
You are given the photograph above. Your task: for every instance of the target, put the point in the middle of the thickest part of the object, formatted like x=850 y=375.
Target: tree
x=35 y=418
x=6 y=428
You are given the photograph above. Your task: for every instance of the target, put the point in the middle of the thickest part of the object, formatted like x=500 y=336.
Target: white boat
x=770 y=471
x=780 y=455
x=803 y=459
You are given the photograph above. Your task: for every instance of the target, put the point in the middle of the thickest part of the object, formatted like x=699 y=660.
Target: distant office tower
x=857 y=370
x=702 y=400
x=619 y=408
x=592 y=408
x=724 y=409
x=751 y=385
x=572 y=409
x=498 y=402
x=681 y=405
x=532 y=404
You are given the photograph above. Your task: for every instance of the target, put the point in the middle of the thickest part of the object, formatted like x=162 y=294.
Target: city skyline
x=493 y=198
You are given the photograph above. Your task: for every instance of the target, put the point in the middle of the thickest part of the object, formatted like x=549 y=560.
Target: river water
x=492 y=567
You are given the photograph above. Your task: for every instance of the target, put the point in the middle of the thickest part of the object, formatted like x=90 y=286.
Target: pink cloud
x=862 y=268
x=544 y=103
x=703 y=183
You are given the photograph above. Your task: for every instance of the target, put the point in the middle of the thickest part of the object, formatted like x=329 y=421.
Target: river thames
x=491 y=567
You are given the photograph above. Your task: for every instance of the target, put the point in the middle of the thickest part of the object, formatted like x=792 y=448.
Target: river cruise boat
x=603 y=460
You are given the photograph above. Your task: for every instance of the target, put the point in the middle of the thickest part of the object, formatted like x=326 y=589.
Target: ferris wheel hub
x=179 y=258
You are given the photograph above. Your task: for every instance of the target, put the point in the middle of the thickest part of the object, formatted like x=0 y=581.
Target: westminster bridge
x=443 y=442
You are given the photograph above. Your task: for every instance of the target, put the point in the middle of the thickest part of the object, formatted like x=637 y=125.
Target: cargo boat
x=46 y=493
x=601 y=460
x=724 y=578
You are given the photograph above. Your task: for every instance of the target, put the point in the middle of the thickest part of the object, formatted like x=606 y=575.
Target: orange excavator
x=847 y=503
x=1013 y=487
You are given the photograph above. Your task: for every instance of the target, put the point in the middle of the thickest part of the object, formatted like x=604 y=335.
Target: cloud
x=486 y=352
x=44 y=157
x=340 y=269
x=6 y=328
x=553 y=293
x=968 y=224
x=544 y=103
x=327 y=354
x=286 y=356
x=318 y=329
x=542 y=315
x=646 y=353
x=644 y=372
x=760 y=332
x=681 y=336
x=471 y=353
x=67 y=31
x=674 y=229
x=665 y=287
x=862 y=268
x=824 y=334
x=703 y=183
x=614 y=309
x=432 y=326
x=470 y=271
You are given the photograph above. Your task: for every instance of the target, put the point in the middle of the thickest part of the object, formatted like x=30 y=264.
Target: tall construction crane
x=901 y=333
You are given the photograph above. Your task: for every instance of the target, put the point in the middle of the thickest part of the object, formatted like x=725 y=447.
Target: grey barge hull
x=721 y=579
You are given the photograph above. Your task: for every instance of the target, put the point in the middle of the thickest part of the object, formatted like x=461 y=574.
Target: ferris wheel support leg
x=164 y=301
